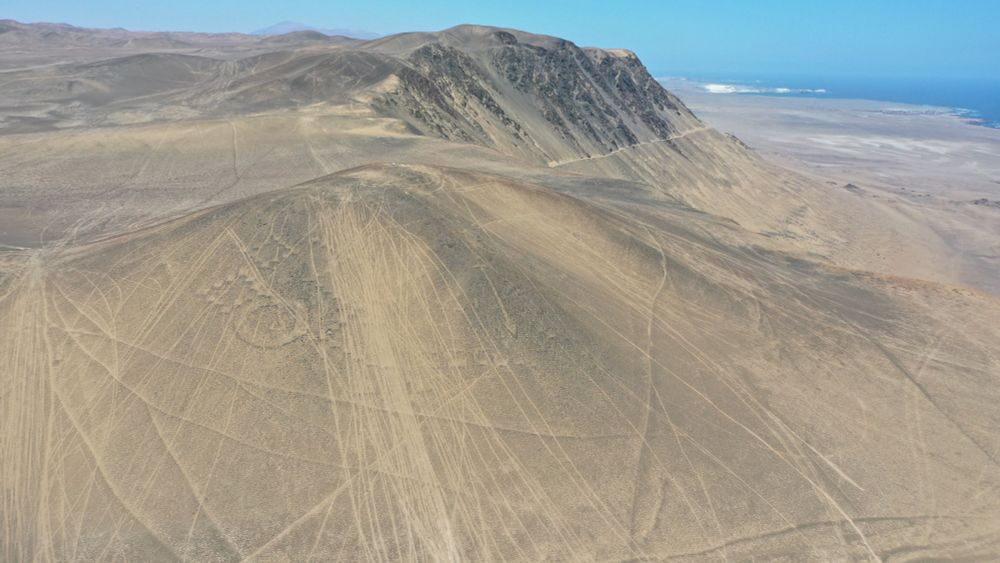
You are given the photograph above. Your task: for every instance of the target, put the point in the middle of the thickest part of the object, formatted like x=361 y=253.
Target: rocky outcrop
x=548 y=97
x=445 y=93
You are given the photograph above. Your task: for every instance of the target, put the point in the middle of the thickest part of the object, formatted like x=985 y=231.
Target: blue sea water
x=977 y=99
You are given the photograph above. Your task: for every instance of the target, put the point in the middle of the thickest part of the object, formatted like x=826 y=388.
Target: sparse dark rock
x=596 y=101
x=987 y=202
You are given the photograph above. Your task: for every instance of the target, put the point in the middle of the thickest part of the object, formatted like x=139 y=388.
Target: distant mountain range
x=289 y=27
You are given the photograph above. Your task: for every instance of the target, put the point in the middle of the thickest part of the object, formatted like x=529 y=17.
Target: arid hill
x=230 y=119
x=470 y=295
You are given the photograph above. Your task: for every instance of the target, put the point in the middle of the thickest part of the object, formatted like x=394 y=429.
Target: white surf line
x=555 y=163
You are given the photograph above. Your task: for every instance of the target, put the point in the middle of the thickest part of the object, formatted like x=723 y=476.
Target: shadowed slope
x=418 y=362
x=538 y=97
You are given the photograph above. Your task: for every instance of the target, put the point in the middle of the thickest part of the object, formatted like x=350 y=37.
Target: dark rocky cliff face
x=444 y=92
x=548 y=99
x=637 y=91
x=568 y=90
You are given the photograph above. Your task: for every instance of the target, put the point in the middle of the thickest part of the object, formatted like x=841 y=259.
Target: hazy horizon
x=925 y=38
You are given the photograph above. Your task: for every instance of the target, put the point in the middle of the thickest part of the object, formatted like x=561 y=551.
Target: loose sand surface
x=473 y=295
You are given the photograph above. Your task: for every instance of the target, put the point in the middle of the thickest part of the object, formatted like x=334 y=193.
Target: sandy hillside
x=470 y=295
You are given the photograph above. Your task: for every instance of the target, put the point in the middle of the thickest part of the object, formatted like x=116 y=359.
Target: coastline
x=973 y=99
x=934 y=172
x=938 y=150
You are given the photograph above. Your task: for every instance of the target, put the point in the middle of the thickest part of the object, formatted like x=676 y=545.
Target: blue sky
x=811 y=37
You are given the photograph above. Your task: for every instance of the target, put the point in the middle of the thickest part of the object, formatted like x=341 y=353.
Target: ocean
x=975 y=99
